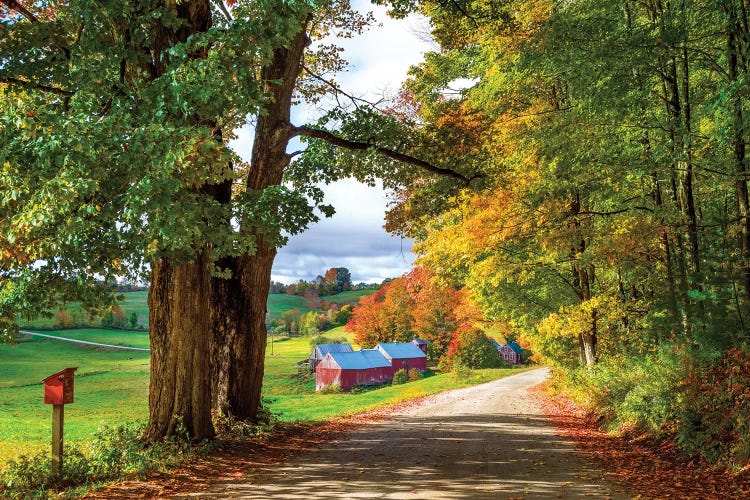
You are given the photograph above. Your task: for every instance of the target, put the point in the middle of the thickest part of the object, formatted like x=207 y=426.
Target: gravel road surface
x=487 y=441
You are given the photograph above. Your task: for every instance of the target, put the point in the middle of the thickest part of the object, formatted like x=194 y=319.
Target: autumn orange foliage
x=716 y=423
x=414 y=305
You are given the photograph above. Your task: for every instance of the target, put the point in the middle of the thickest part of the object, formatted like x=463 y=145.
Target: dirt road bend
x=488 y=441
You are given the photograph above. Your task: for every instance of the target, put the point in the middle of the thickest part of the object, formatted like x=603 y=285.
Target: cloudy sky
x=354 y=238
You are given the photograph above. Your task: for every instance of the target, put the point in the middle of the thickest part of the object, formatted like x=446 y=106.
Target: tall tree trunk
x=734 y=54
x=685 y=167
x=582 y=280
x=589 y=338
x=179 y=295
x=665 y=246
x=244 y=333
x=681 y=173
x=180 y=325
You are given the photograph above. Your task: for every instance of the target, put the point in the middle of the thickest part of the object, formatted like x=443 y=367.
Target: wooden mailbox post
x=58 y=391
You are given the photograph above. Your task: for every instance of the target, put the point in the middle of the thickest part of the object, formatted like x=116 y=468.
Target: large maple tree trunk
x=241 y=329
x=180 y=323
x=179 y=297
x=245 y=340
x=239 y=335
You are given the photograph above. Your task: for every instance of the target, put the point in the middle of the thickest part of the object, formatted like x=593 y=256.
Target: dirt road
x=487 y=441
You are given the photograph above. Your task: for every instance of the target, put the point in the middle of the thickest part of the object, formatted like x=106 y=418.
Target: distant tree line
x=130 y=287
x=114 y=317
x=296 y=322
x=334 y=280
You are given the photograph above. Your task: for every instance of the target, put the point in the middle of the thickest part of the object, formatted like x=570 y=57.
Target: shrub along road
x=486 y=441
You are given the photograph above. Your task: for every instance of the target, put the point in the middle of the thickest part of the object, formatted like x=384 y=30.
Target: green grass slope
x=279 y=303
x=133 y=302
x=348 y=297
x=138 y=302
x=112 y=386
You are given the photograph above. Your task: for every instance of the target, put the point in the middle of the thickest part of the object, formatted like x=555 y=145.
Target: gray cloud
x=353 y=238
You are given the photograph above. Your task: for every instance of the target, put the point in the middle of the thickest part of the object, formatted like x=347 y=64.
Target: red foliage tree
x=62 y=319
x=413 y=306
x=367 y=322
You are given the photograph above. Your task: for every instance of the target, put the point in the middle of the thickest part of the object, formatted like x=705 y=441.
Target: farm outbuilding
x=347 y=369
x=403 y=355
x=421 y=343
x=320 y=351
x=511 y=353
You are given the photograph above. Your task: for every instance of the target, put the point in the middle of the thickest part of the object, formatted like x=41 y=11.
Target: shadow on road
x=457 y=456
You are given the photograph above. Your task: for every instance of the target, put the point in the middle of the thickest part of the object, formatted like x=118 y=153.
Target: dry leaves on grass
x=649 y=468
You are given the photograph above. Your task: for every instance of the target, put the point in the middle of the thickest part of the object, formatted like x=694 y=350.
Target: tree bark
x=582 y=280
x=676 y=98
x=179 y=322
x=179 y=297
x=734 y=55
x=241 y=301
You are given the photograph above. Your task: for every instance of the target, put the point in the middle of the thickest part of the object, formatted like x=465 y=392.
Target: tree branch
x=38 y=86
x=394 y=155
x=338 y=89
x=17 y=7
x=612 y=212
x=223 y=9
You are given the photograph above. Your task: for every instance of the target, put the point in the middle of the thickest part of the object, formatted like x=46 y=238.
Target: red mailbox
x=58 y=387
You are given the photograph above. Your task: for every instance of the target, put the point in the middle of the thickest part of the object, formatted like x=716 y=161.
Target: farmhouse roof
x=497 y=344
x=419 y=341
x=400 y=350
x=516 y=348
x=326 y=348
x=360 y=360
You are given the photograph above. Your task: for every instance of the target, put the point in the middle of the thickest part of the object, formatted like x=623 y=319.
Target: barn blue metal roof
x=360 y=360
x=326 y=348
x=419 y=341
x=398 y=350
x=516 y=348
x=496 y=344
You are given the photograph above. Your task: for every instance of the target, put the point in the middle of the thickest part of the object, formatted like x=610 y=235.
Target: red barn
x=347 y=369
x=320 y=350
x=511 y=353
x=403 y=355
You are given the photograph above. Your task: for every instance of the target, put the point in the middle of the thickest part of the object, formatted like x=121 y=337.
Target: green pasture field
x=348 y=297
x=132 y=302
x=279 y=303
x=112 y=387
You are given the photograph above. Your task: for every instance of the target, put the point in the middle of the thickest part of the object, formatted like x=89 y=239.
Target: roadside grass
x=322 y=407
x=111 y=387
